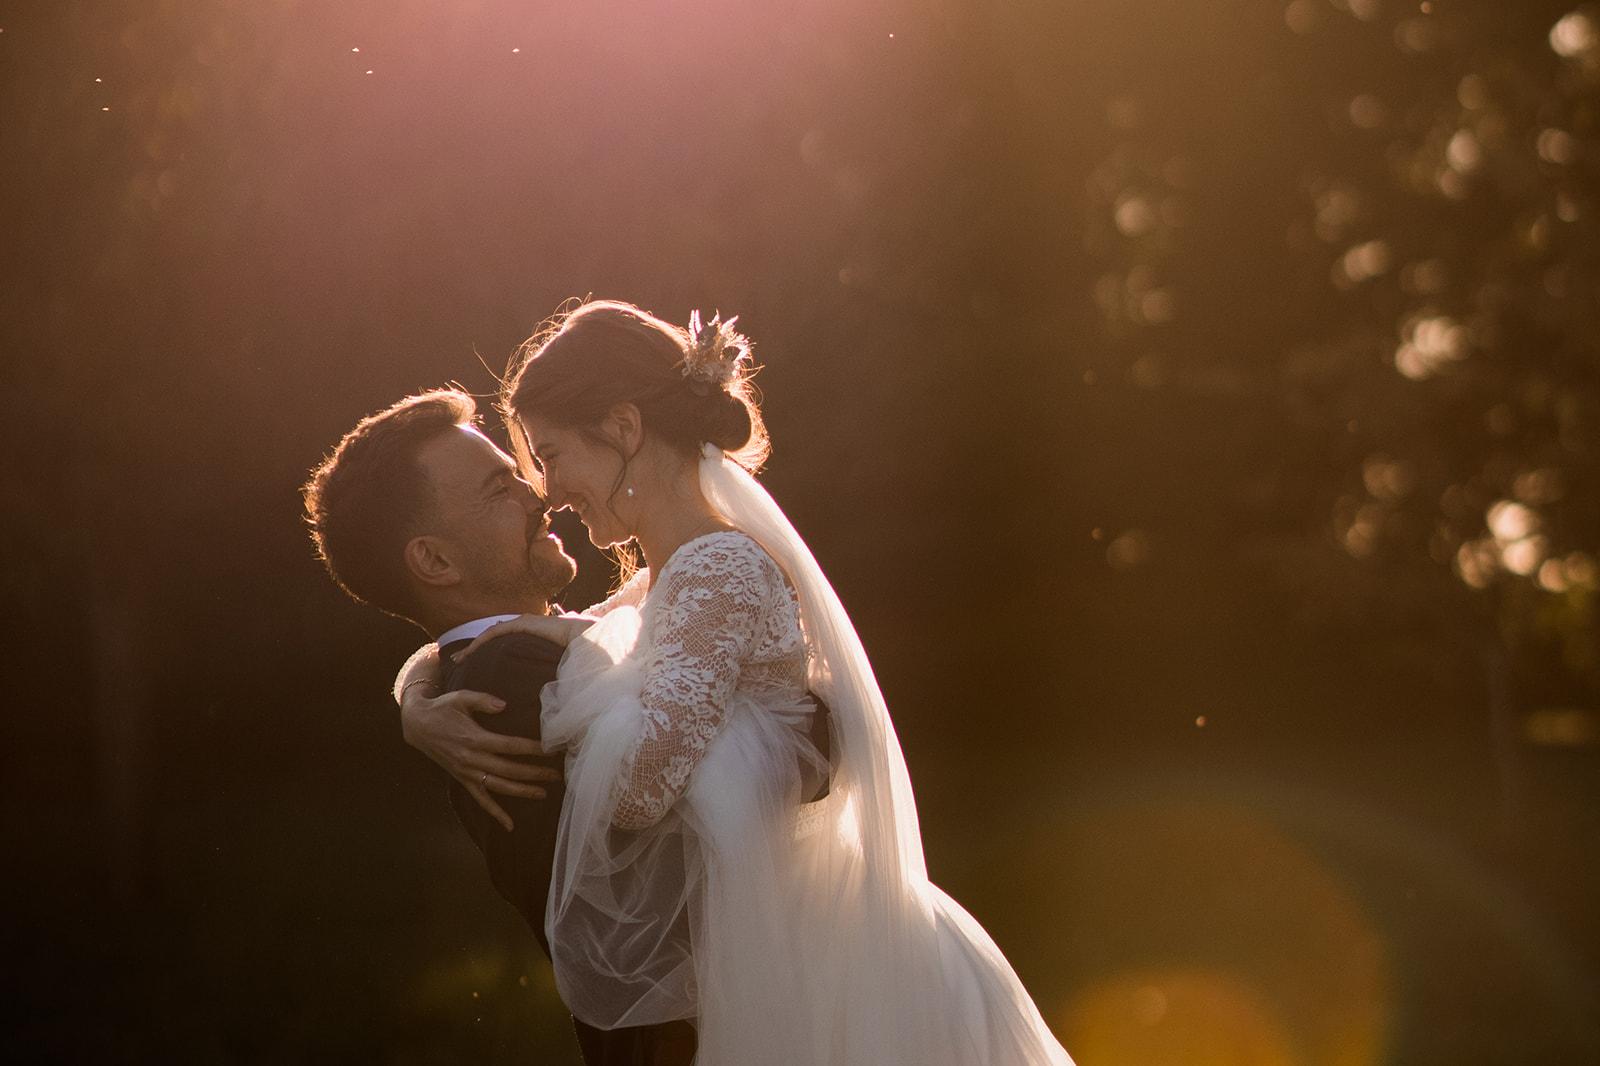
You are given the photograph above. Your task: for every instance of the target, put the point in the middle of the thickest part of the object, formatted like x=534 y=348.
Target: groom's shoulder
x=514 y=648
x=514 y=659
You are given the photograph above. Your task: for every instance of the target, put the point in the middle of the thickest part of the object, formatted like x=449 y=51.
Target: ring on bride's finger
x=484 y=780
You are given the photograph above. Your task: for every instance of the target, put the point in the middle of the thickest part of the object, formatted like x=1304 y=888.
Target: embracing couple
x=692 y=791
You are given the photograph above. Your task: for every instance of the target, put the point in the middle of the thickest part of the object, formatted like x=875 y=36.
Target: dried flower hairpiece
x=717 y=352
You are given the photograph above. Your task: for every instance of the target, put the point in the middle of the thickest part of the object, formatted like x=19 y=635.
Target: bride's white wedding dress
x=693 y=881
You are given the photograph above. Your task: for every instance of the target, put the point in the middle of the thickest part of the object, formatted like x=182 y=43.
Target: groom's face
x=493 y=525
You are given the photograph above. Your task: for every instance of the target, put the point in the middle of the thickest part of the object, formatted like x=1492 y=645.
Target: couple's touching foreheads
x=692 y=791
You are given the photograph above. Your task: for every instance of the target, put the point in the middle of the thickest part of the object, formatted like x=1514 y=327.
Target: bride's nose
x=555 y=498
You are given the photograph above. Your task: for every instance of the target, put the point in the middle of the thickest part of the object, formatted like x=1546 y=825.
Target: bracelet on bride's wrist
x=428 y=681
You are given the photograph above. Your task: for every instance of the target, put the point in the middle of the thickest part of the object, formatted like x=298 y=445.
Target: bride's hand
x=443 y=729
x=560 y=629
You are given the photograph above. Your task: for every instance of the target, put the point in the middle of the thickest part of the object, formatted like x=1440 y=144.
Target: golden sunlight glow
x=1194 y=1017
x=1171 y=890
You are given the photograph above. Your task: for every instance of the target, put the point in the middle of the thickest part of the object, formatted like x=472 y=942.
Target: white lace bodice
x=720 y=622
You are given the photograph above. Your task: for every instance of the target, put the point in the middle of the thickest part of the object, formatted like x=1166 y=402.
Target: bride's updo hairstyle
x=691 y=386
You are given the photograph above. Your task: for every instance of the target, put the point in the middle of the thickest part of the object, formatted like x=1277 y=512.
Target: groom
x=417 y=513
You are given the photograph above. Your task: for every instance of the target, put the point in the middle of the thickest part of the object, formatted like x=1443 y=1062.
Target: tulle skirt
x=762 y=917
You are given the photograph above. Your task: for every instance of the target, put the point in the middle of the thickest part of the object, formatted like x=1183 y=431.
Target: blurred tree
x=1436 y=473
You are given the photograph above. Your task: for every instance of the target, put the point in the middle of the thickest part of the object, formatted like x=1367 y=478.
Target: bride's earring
x=629 y=492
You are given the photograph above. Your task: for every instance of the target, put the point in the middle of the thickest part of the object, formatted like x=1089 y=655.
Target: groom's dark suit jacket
x=515 y=667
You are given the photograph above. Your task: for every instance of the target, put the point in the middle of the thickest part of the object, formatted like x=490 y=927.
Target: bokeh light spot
x=1135 y=217
x=1365 y=261
x=1301 y=16
x=1367 y=10
x=1524 y=556
x=1433 y=342
x=1574 y=35
x=1129 y=550
x=1464 y=153
x=1477 y=562
x=1557 y=146
x=1510 y=521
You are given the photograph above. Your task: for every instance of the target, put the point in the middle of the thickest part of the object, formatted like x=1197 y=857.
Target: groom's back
x=515 y=668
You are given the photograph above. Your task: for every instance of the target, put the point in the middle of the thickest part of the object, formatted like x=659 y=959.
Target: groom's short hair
x=365 y=501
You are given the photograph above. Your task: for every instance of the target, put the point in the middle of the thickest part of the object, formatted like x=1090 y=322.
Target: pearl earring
x=630 y=492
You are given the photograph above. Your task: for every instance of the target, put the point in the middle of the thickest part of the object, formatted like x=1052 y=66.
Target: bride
x=695 y=874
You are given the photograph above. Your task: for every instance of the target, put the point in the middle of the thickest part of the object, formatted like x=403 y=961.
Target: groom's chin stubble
x=550 y=574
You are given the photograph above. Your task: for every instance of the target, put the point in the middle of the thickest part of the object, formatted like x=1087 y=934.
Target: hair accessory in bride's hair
x=717 y=352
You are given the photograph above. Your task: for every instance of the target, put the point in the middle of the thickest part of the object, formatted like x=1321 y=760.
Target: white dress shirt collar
x=468 y=630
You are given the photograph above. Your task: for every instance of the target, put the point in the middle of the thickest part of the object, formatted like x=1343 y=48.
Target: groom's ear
x=428 y=560
x=624 y=425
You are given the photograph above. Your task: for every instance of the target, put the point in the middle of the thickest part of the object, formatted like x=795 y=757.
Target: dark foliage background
x=1194 y=402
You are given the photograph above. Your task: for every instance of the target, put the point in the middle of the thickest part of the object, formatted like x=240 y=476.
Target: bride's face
x=581 y=474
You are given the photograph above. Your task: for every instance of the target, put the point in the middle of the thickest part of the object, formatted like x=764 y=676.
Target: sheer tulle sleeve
x=631 y=594
x=713 y=603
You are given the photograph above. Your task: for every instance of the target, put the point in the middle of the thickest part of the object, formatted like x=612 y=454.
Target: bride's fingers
x=536 y=625
x=512 y=770
x=500 y=744
x=505 y=787
x=469 y=702
x=486 y=801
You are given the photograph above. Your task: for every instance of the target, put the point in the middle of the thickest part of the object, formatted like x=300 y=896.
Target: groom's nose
x=537 y=505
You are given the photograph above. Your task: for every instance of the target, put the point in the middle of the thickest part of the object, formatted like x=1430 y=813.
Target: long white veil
x=794 y=934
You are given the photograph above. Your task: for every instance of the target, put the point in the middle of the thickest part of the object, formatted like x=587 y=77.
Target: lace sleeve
x=712 y=602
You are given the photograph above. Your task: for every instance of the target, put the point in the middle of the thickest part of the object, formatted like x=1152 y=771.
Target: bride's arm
x=421 y=669
x=442 y=727
x=709 y=623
